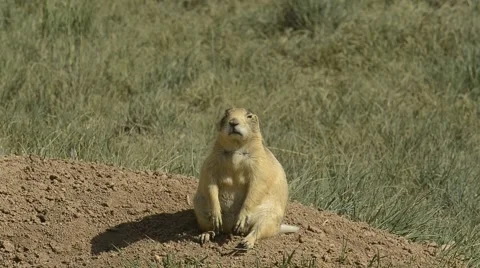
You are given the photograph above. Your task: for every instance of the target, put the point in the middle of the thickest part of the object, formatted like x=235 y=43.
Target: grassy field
x=372 y=106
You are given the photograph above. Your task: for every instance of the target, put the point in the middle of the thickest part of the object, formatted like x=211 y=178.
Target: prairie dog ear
x=254 y=121
x=252 y=116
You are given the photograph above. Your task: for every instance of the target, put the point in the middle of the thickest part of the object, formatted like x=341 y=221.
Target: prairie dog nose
x=233 y=122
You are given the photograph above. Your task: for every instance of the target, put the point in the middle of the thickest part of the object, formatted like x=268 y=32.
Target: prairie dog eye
x=250 y=116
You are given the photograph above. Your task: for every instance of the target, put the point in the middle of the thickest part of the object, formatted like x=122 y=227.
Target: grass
x=372 y=106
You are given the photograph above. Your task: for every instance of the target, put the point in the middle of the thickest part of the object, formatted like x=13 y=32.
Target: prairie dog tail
x=285 y=228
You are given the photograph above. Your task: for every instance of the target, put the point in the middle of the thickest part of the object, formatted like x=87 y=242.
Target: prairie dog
x=242 y=187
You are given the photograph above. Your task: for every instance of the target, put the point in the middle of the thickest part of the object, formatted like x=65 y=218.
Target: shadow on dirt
x=162 y=227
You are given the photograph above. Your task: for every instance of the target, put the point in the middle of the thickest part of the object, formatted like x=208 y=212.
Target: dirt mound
x=59 y=213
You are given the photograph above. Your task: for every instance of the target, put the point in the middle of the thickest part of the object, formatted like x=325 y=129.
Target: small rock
x=313 y=229
x=60 y=198
x=57 y=248
x=42 y=257
x=7 y=246
x=3 y=190
x=132 y=212
x=19 y=257
x=331 y=248
x=42 y=217
x=54 y=177
x=326 y=258
x=301 y=239
x=409 y=250
x=369 y=234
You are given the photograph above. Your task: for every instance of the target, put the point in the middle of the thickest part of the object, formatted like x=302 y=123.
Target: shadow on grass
x=162 y=228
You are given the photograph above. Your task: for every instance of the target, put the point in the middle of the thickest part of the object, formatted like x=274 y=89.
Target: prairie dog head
x=238 y=126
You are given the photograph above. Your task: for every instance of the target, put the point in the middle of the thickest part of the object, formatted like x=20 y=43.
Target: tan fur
x=242 y=187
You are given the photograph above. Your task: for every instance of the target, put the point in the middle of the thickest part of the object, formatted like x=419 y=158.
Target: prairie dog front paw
x=241 y=227
x=216 y=219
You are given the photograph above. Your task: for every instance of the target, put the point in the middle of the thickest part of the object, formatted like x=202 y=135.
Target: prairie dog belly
x=231 y=200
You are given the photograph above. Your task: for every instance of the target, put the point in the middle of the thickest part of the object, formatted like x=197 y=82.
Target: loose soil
x=65 y=213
